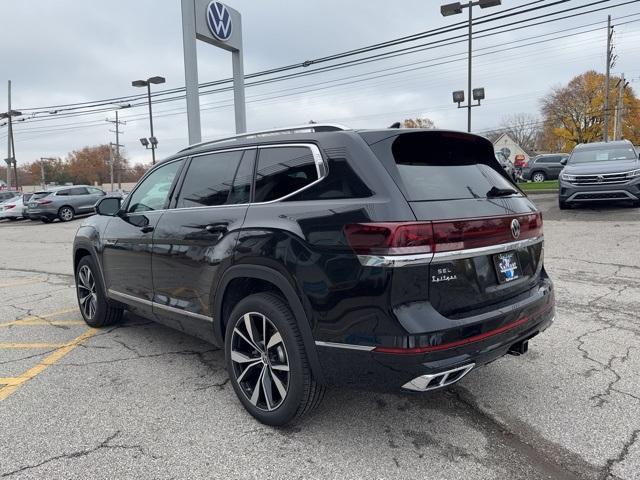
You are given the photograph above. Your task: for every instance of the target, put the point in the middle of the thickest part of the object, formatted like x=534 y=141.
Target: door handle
x=216 y=228
x=146 y=229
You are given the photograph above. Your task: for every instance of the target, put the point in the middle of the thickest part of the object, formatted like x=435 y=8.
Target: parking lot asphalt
x=141 y=401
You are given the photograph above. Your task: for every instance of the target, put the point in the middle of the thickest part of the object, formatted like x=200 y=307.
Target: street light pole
x=147 y=83
x=454 y=9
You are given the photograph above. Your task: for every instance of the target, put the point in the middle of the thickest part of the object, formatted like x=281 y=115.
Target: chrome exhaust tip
x=424 y=383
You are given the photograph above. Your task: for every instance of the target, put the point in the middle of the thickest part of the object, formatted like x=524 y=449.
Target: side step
x=424 y=383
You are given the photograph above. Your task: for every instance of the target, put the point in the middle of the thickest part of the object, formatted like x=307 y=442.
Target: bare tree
x=524 y=128
x=418 y=123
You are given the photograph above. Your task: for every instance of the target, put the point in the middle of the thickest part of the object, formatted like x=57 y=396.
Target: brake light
x=397 y=238
x=44 y=202
x=390 y=238
x=9 y=207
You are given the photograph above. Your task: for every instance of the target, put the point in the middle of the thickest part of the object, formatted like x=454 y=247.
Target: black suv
x=384 y=259
x=601 y=171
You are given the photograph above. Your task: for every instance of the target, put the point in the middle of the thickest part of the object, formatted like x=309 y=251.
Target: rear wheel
x=538 y=177
x=94 y=307
x=66 y=214
x=13 y=219
x=46 y=220
x=267 y=362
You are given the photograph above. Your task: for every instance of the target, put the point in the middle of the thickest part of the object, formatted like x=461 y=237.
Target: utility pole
x=111 y=159
x=617 y=129
x=117 y=131
x=605 y=135
x=11 y=148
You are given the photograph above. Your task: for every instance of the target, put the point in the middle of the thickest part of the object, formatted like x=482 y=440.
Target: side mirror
x=108 y=206
x=563 y=161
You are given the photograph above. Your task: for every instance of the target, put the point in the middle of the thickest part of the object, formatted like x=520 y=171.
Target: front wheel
x=267 y=362
x=66 y=214
x=94 y=307
x=538 y=177
x=562 y=205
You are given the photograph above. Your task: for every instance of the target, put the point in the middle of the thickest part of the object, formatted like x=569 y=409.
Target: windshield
x=603 y=154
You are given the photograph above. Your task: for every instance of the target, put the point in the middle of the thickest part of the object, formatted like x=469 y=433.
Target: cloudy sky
x=71 y=51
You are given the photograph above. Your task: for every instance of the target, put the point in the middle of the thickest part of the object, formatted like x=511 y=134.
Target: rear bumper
x=40 y=213
x=361 y=366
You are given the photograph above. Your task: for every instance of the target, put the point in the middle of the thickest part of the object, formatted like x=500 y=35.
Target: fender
x=276 y=278
x=86 y=243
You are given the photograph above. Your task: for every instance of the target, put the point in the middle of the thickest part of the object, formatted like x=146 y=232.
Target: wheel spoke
x=281 y=368
x=241 y=335
x=282 y=390
x=275 y=339
x=256 y=389
x=266 y=388
x=242 y=358
x=248 y=325
x=246 y=370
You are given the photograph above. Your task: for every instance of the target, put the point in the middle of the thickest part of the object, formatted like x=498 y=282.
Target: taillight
x=390 y=238
x=9 y=207
x=397 y=238
x=44 y=202
x=525 y=164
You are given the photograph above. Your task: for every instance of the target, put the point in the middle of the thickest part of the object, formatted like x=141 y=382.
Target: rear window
x=441 y=166
x=39 y=195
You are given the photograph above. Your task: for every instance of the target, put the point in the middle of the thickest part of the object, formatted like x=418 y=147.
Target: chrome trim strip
x=179 y=311
x=492 y=249
x=395 y=260
x=130 y=297
x=427 y=258
x=421 y=383
x=347 y=346
x=297 y=128
x=591 y=192
x=159 y=305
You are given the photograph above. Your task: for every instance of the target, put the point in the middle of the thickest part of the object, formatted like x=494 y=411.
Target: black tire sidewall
x=98 y=319
x=264 y=304
x=73 y=214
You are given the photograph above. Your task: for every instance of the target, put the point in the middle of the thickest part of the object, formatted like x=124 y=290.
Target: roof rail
x=311 y=127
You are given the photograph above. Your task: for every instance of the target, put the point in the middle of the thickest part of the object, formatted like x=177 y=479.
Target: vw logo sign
x=515 y=228
x=219 y=21
x=600 y=178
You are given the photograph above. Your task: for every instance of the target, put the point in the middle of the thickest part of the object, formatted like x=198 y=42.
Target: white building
x=509 y=147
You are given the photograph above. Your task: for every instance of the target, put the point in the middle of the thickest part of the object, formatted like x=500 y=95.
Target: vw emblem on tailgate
x=219 y=21
x=515 y=228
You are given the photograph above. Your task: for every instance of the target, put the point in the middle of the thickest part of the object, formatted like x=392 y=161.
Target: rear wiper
x=500 y=192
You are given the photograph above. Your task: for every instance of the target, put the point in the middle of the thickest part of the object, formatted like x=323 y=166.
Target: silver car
x=63 y=203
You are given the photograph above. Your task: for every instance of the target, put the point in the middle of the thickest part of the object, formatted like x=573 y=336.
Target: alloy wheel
x=66 y=214
x=260 y=361
x=87 y=295
x=538 y=177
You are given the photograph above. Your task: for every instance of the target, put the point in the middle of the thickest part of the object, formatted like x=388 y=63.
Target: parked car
x=600 y=172
x=506 y=164
x=25 y=201
x=8 y=195
x=543 y=167
x=320 y=255
x=13 y=209
x=63 y=203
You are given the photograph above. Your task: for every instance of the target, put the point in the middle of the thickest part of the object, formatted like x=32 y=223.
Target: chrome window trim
x=395 y=261
x=149 y=303
x=347 y=346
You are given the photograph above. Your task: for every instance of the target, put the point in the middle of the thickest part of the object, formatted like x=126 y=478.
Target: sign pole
x=191 y=70
x=238 y=91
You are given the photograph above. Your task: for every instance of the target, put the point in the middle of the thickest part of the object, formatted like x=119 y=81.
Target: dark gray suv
x=601 y=172
x=63 y=203
x=544 y=167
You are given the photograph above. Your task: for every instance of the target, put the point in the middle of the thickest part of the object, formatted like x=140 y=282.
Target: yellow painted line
x=31 y=345
x=49 y=360
x=19 y=283
x=55 y=313
x=26 y=322
x=9 y=380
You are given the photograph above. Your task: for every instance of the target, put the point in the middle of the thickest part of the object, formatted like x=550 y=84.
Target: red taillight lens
x=9 y=207
x=441 y=236
x=44 y=202
x=390 y=238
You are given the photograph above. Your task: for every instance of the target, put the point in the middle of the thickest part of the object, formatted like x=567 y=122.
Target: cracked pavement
x=139 y=400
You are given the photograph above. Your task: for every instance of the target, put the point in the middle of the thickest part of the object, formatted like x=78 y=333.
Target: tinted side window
x=78 y=191
x=63 y=193
x=153 y=192
x=217 y=179
x=283 y=170
x=96 y=191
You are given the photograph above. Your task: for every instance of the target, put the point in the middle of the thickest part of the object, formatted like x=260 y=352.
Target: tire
x=66 y=214
x=46 y=220
x=95 y=308
x=563 y=205
x=12 y=219
x=301 y=392
x=538 y=177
